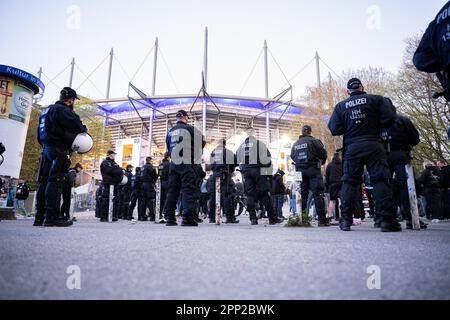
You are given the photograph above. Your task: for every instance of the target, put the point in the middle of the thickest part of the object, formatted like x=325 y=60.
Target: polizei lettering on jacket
x=443 y=15
x=355 y=103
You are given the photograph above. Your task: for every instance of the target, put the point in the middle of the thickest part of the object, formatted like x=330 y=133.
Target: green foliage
x=294 y=221
x=32 y=152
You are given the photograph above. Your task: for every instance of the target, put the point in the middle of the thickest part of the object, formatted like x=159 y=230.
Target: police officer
x=136 y=196
x=360 y=120
x=112 y=175
x=401 y=137
x=223 y=163
x=432 y=55
x=125 y=194
x=58 y=127
x=185 y=145
x=309 y=155
x=149 y=177
x=255 y=163
x=68 y=184
x=164 y=168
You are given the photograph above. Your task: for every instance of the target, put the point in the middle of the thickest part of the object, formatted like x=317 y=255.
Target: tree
x=412 y=94
x=32 y=152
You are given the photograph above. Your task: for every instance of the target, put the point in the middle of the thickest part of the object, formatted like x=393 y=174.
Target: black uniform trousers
x=55 y=163
x=67 y=197
x=136 y=198
x=104 y=204
x=149 y=199
x=182 y=178
x=397 y=161
x=312 y=180
x=257 y=188
x=125 y=197
x=163 y=195
x=226 y=196
x=374 y=156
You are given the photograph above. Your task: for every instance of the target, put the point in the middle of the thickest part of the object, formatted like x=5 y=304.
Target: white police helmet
x=83 y=143
x=124 y=180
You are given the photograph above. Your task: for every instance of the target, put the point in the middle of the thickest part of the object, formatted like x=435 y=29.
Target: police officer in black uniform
x=125 y=194
x=223 y=163
x=68 y=184
x=164 y=168
x=149 y=177
x=309 y=155
x=58 y=127
x=433 y=53
x=136 y=196
x=185 y=144
x=401 y=137
x=255 y=163
x=112 y=175
x=361 y=119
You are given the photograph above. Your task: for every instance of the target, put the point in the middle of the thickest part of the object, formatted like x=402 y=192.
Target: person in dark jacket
x=22 y=193
x=223 y=163
x=309 y=155
x=136 y=196
x=149 y=177
x=430 y=179
x=185 y=145
x=164 y=169
x=255 y=163
x=58 y=127
x=278 y=193
x=445 y=188
x=68 y=184
x=112 y=175
x=125 y=194
x=333 y=184
x=98 y=201
x=360 y=119
x=401 y=137
x=433 y=53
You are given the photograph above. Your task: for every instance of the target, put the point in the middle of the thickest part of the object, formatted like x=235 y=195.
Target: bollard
x=218 y=208
x=412 y=197
x=72 y=203
x=158 y=202
x=111 y=207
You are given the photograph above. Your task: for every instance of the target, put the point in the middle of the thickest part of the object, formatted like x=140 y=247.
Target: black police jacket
x=184 y=138
x=278 y=187
x=164 y=170
x=433 y=53
x=333 y=173
x=149 y=174
x=361 y=118
x=111 y=172
x=253 y=154
x=430 y=178
x=22 y=192
x=129 y=176
x=223 y=159
x=402 y=135
x=59 y=125
x=136 y=182
x=308 y=151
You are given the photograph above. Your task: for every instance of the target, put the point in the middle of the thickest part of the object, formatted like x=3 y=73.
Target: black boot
x=275 y=220
x=409 y=225
x=345 y=225
x=390 y=224
x=188 y=222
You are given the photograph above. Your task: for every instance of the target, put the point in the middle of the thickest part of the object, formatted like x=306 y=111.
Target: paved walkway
x=149 y=261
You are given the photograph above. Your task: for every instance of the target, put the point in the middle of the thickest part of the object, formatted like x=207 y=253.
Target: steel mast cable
x=299 y=72
x=251 y=72
x=88 y=79
x=55 y=77
x=329 y=68
x=168 y=70
x=279 y=67
x=93 y=71
x=142 y=63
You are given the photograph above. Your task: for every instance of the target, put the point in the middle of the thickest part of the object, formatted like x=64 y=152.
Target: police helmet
x=124 y=180
x=83 y=143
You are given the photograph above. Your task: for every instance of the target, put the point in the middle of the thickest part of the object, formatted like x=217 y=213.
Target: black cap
x=110 y=152
x=353 y=84
x=68 y=93
x=181 y=114
x=306 y=129
x=148 y=159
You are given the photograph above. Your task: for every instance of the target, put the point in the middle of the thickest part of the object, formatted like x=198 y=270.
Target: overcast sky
x=348 y=34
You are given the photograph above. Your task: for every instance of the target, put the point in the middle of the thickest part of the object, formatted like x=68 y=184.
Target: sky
x=348 y=35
